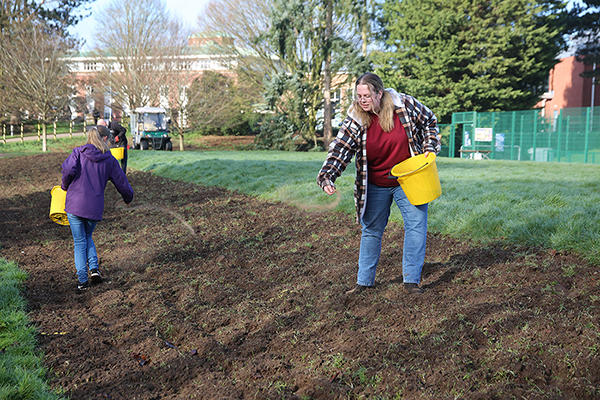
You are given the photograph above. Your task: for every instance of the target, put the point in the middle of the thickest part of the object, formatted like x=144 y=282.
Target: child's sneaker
x=95 y=275
x=83 y=286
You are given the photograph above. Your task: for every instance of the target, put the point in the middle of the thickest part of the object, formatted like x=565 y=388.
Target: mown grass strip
x=22 y=375
x=553 y=205
x=29 y=147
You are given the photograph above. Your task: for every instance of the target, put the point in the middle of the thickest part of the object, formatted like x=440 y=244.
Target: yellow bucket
x=57 y=206
x=419 y=178
x=118 y=152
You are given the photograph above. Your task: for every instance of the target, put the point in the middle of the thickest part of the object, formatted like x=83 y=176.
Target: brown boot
x=357 y=289
x=413 y=288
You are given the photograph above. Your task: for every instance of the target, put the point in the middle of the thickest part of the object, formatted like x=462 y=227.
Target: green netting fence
x=569 y=135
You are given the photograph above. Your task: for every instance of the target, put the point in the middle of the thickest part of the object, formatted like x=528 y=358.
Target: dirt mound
x=211 y=294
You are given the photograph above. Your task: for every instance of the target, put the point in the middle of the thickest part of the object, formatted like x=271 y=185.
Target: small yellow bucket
x=419 y=178
x=57 y=206
x=118 y=152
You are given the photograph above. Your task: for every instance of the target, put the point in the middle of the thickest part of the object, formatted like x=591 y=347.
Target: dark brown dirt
x=212 y=294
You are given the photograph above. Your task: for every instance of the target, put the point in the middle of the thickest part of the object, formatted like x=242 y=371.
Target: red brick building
x=567 y=88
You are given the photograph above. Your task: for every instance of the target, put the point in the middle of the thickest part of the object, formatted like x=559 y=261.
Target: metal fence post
x=587 y=135
x=534 y=136
x=521 y=137
x=512 y=134
x=474 y=128
x=567 y=138
x=559 y=135
x=493 y=153
x=453 y=135
x=451 y=142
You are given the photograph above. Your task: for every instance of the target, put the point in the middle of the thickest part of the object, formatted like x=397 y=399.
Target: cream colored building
x=201 y=55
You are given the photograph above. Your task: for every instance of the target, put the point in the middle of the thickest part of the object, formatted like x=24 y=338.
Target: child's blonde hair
x=95 y=136
x=384 y=108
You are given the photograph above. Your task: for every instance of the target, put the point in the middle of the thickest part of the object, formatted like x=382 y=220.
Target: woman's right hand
x=329 y=189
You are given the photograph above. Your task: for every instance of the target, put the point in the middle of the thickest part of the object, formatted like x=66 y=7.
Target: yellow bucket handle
x=410 y=172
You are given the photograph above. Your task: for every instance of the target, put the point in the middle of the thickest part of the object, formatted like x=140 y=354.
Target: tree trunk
x=364 y=26
x=180 y=141
x=327 y=130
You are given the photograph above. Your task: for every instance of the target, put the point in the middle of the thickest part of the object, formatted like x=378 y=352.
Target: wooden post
x=44 y=137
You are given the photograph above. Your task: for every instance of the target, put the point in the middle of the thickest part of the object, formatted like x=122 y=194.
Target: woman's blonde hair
x=383 y=108
x=95 y=136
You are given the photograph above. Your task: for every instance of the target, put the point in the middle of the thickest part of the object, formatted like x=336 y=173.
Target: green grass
x=35 y=147
x=552 y=205
x=22 y=375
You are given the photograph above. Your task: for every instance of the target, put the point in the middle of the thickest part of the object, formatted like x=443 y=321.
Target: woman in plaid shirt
x=382 y=128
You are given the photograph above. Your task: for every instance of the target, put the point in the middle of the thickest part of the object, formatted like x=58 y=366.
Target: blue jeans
x=84 y=248
x=374 y=221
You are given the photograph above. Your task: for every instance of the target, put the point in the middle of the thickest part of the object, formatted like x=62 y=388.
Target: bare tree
x=35 y=72
x=245 y=21
x=24 y=22
x=140 y=44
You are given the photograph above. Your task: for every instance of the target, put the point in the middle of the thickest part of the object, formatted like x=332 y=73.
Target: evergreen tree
x=586 y=24
x=462 y=55
x=56 y=16
x=310 y=46
x=30 y=29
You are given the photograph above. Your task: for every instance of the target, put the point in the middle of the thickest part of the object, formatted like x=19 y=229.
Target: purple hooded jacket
x=84 y=176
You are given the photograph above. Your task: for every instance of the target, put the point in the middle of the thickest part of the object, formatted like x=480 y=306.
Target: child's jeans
x=84 y=248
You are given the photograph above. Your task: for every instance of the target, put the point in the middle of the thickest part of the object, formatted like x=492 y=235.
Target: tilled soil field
x=211 y=294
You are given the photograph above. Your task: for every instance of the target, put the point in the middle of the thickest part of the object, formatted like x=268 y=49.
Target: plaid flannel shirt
x=420 y=125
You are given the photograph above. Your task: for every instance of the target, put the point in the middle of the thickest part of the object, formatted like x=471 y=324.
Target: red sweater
x=384 y=150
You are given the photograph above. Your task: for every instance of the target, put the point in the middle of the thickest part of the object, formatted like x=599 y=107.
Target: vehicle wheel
x=144 y=145
x=168 y=146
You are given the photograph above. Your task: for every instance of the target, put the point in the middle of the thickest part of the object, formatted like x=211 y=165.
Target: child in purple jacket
x=84 y=176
